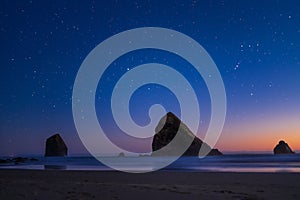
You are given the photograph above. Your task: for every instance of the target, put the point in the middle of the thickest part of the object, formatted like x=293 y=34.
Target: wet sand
x=71 y=185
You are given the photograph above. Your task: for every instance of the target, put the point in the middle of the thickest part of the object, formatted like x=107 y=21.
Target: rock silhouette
x=55 y=146
x=215 y=152
x=121 y=154
x=17 y=160
x=283 y=148
x=169 y=127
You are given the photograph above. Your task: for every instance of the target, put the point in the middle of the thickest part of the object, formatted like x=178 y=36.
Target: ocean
x=225 y=163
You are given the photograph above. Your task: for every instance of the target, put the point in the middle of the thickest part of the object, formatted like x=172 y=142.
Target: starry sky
x=255 y=45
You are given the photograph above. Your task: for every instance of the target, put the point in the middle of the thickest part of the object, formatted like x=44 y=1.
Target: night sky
x=255 y=45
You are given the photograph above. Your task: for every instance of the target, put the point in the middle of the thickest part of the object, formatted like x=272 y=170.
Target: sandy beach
x=55 y=184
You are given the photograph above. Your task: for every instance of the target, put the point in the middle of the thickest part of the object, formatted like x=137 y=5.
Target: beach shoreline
x=68 y=184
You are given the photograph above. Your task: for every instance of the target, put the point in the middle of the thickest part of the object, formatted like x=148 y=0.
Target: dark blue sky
x=255 y=44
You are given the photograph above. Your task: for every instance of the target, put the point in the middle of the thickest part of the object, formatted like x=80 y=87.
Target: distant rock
x=283 y=148
x=165 y=133
x=215 y=152
x=4 y=161
x=121 y=154
x=33 y=159
x=55 y=146
x=17 y=160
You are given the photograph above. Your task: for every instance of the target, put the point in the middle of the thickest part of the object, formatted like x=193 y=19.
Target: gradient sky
x=255 y=44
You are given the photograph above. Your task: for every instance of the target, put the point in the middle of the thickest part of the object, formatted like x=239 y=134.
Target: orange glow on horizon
x=261 y=135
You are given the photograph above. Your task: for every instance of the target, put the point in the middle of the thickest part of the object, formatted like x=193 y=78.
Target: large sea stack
x=55 y=146
x=169 y=127
x=283 y=148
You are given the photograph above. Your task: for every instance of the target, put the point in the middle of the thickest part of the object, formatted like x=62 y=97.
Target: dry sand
x=55 y=184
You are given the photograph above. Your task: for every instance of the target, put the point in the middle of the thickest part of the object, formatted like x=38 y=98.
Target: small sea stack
x=283 y=148
x=55 y=146
x=121 y=154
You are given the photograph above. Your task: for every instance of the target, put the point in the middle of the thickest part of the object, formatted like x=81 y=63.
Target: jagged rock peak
x=55 y=146
x=168 y=127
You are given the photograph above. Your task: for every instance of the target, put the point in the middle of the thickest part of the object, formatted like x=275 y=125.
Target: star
x=236 y=67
